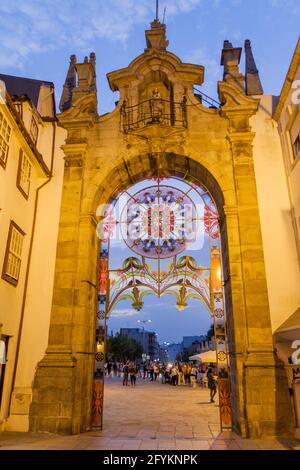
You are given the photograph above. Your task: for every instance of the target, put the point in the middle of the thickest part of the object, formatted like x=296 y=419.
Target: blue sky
x=37 y=37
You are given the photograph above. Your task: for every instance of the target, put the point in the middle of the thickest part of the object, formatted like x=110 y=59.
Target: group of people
x=174 y=374
x=130 y=370
x=181 y=374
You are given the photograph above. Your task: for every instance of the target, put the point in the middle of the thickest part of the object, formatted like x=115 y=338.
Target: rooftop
x=21 y=86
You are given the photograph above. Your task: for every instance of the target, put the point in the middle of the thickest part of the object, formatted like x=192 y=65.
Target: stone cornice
x=245 y=137
x=88 y=218
x=75 y=148
x=230 y=211
x=74 y=154
x=290 y=77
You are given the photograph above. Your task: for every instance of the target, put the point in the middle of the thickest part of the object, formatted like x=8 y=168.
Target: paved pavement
x=150 y=416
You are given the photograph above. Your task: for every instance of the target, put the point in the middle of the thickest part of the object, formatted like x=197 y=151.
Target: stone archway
x=104 y=154
x=64 y=378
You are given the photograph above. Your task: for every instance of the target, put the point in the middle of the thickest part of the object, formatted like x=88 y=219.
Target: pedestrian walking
x=212 y=385
x=181 y=378
x=151 y=370
x=194 y=373
x=174 y=376
x=188 y=374
x=125 y=375
x=183 y=373
x=155 y=371
x=133 y=373
x=145 y=371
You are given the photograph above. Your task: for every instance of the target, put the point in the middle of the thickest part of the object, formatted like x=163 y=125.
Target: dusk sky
x=38 y=36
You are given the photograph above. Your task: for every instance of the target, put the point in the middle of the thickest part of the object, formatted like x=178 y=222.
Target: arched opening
x=165 y=181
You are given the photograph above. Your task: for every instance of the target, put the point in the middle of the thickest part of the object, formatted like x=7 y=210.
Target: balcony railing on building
x=155 y=111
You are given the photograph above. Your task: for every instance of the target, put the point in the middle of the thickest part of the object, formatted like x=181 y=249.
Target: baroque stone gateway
x=164 y=125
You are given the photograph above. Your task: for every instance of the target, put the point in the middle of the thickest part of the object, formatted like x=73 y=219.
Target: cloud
x=291 y=5
x=126 y=312
x=35 y=26
x=213 y=71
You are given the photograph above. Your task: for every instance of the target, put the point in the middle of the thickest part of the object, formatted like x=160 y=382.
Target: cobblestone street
x=150 y=416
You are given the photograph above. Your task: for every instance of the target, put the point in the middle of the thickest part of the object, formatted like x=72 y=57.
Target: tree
x=121 y=348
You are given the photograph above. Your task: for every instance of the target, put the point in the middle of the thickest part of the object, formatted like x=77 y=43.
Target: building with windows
x=287 y=115
x=147 y=339
x=174 y=350
x=163 y=355
x=31 y=169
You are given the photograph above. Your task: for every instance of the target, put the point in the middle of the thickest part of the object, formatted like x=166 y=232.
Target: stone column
x=62 y=388
x=259 y=389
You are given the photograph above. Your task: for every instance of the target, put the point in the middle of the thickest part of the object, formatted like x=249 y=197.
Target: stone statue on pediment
x=156 y=106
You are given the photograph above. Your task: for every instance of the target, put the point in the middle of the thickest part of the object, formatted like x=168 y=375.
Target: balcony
x=154 y=112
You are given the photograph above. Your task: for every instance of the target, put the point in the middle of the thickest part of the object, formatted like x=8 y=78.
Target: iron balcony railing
x=155 y=111
x=211 y=102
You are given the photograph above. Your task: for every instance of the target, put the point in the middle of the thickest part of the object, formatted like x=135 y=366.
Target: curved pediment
x=153 y=61
x=84 y=108
x=232 y=96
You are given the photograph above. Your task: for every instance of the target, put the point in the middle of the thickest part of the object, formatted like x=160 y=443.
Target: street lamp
x=144 y=322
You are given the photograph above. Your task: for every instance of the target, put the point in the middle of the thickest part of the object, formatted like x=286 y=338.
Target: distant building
x=188 y=341
x=163 y=354
x=173 y=351
x=147 y=339
x=206 y=345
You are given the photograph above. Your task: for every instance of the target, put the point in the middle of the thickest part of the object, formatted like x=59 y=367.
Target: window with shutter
x=24 y=174
x=34 y=130
x=296 y=147
x=5 y=132
x=13 y=257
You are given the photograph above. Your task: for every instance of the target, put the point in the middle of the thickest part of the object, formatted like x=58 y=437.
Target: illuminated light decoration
x=137 y=304
x=103 y=272
x=218 y=307
x=136 y=279
x=159 y=222
x=222 y=356
x=181 y=304
x=219 y=313
x=211 y=222
x=97 y=404
x=103 y=288
x=101 y=315
x=215 y=270
x=106 y=228
x=99 y=356
x=224 y=397
x=158 y=180
x=155 y=225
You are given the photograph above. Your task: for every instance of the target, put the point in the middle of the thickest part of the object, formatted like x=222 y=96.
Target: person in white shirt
x=194 y=373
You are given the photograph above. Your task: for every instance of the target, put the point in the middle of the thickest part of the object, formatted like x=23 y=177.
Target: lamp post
x=144 y=322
